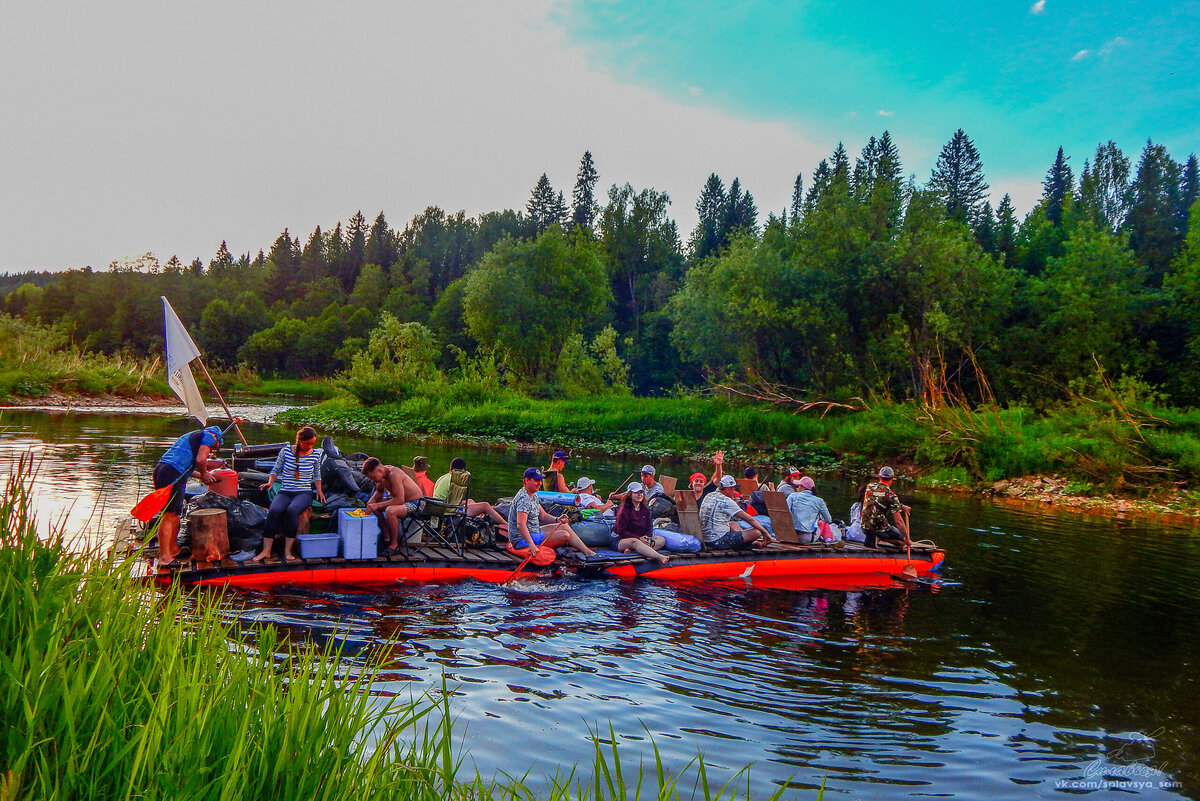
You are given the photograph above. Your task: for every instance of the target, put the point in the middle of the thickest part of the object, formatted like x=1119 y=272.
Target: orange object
x=227 y=481
x=152 y=504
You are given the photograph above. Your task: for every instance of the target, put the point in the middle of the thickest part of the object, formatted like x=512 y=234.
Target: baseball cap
x=420 y=463
x=728 y=481
x=648 y=469
x=635 y=486
x=791 y=471
x=695 y=476
x=886 y=472
x=807 y=483
x=584 y=483
x=561 y=455
x=533 y=472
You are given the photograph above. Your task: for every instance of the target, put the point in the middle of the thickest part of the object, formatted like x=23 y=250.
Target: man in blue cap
x=526 y=516
x=554 y=480
x=187 y=457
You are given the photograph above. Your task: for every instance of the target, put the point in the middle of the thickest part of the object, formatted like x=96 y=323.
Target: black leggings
x=284 y=515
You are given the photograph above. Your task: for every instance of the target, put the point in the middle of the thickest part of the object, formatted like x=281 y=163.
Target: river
x=1057 y=655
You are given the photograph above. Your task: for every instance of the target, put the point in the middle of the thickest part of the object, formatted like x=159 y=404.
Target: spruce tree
x=1104 y=187
x=335 y=255
x=957 y=179
x=1151 y=221
x=820 y=182
x=583 y=197
x=985 y=229
x=381 y=244
x=710 y=209
x=1004 y=238
x=356 y=247
x=545 y=206
x=740 y=214
x=221 y=262
x=284 y=262
x=312 y=258
x=1189 y=192
x=1059 y=183
x=797 y=207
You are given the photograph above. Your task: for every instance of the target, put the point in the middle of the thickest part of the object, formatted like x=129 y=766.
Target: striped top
x=310 y=469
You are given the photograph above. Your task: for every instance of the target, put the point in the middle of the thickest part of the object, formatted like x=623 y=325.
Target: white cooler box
x=360 y=535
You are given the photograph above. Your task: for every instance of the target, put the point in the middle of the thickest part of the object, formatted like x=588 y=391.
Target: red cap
x=696 y=476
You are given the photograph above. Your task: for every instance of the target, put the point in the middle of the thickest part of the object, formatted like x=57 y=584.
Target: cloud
x=1038 y=8
x=1110 y=46
x=1081 y=55
x=883 y=113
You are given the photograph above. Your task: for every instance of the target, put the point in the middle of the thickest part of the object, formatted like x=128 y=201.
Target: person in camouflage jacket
x=882 y=513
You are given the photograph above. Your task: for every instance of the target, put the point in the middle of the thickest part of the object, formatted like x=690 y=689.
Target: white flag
x=180 y=352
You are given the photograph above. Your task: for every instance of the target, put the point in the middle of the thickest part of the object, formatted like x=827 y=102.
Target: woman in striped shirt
x=298 y=468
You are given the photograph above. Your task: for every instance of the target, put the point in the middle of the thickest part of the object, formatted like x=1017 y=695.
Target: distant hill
x=10 y=281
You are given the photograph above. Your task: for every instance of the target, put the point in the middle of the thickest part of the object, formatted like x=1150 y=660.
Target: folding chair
x=781 y=517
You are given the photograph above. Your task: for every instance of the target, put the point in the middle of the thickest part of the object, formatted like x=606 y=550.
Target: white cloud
x=883 y=113
x=1111 y=45
x=1038 y=8
x=1081 y=55
x=297 y=117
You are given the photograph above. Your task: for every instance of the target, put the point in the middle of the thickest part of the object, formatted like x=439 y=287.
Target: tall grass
x=111 y=689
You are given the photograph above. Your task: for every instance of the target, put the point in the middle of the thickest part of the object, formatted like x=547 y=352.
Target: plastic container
x=226 y=484
x=359 y=535
x=318 y=546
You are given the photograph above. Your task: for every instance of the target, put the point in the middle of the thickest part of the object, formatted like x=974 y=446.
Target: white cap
x=728 y=481
x=636 y=486
x=648 y=469
x=584 y=483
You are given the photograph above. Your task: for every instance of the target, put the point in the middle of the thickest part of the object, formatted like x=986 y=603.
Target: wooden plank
x=689 y=513
x=668 y=484
x=781 y=517
x=748 y=486
x=411 y=473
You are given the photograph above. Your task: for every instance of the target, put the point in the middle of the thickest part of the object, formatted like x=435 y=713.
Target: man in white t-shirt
x=586 y=500
x=718 y=510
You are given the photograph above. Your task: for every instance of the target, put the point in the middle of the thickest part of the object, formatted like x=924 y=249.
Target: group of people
x=726 y=522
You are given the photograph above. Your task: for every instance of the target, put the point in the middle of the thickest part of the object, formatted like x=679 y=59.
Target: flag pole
x=224 y=405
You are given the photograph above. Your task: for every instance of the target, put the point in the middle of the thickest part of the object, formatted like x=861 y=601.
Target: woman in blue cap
x=188 y=456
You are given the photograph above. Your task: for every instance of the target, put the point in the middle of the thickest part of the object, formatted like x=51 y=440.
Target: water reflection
x=1059 y=649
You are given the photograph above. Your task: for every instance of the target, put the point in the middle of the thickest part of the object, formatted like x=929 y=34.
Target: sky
x=142 y=126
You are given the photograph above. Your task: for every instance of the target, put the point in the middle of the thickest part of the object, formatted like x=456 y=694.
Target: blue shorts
x=518 y=541
x=728 y=541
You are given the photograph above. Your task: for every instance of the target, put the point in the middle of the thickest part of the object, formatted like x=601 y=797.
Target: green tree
x=1057 y=187
x=312 y=258
x=504 y=301
x=381 y=244
x=583 y=196
x=1104 y=187
x=710 y=209
x=1182 y=289
x=225 y=326
x=545 y=207
x=958 y=180
x=797 y=205
x=356 y=249
x=1152 y=222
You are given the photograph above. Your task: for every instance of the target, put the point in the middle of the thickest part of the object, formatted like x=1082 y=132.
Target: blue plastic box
x=319 y=546
x=359 y=535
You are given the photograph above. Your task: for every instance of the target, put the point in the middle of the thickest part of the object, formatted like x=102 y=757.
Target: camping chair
x=430 y=525
x=781 y=517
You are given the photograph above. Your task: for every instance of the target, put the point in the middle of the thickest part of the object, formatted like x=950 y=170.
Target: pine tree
x=710 y=208
x=221 y=262
x=985 y=229
x=840 y=165
x=820 y=183
x=335 y=254
x=1152 y=223
x=797 y=207
x=356 y=247
x=545 y=206
x=583 y=197
x=958 y=179
x=1104 y=187
x=196 y=267
x=1059 y=183
x=285 y=262
x=878 y=184
x=1004 y=236
x=740 y=214
x=1189 y=192
x=312 y=257
x=381 y=244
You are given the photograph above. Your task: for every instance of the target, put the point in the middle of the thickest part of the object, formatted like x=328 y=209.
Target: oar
x=521 y=566
x=910 y=570
x=156 y=501
x=623 y=483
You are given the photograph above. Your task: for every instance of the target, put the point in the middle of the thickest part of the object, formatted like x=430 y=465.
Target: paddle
x=910 y=570
x=541 y=555
x=623 y=483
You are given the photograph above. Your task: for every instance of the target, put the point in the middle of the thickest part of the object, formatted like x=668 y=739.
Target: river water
x=1057 y=655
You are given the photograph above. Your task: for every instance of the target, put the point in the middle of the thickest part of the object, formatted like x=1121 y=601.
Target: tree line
x=868 y=283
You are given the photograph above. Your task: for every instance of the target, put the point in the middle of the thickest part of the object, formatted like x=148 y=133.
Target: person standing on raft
x=526 y=516
x=298 y=468
x=187 y=457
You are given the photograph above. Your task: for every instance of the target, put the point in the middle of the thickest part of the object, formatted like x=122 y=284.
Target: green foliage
x=398 y=356
x=225 y=326
x=590 y=369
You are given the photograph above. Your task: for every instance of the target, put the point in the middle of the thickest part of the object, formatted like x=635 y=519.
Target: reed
x=112 y=689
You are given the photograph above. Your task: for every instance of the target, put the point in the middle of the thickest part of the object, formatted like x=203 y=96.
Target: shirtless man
x=404 y=494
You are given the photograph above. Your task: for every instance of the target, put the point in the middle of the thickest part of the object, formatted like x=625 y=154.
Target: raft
x=818 y=564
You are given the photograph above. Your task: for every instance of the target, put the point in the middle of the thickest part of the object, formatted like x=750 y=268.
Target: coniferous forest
x=870 y=284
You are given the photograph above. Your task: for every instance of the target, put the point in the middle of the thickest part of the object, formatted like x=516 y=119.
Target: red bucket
x=226 y=484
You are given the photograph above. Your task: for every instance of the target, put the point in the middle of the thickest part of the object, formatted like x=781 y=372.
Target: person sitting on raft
x=586 y=500
x=298 y=468
x=421 y=471
x=880 y=501
x=807 y=509
x=526 y=518
x=791 y=481
x=633 y=530
x=555 y=481
x=719 y=513
x=395 y=496
x=763 y=486
x=441 y=491
x=649 y=486
x=186 y=457
x=702 y=486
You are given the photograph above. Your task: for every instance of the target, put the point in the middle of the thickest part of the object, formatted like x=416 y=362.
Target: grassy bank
x=1101 y=445
x=110 y=689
